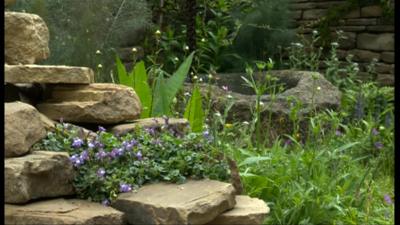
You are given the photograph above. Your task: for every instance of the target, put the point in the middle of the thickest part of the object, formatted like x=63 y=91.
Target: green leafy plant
x=194 y=111
x=107 y=165
x=157 y=100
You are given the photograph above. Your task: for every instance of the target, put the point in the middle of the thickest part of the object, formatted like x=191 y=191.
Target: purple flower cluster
x=101 y=154
x=77 y=143
x=378 y=145
x=101 y=129
x=125 y=188
x=78 y=160
x=101 y=172
x=139 y=155
x=117 y=152
x=128 y=145
x=151 y=131
x=388 y=199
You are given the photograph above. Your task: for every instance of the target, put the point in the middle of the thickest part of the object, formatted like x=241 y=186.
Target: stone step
x=249 y=211
x=23 y=128
x=37 y=175
x=26 y=38
x=62 y=211
x=48 y=74
x=194 y=202
x=94 y=103
x=157 y=122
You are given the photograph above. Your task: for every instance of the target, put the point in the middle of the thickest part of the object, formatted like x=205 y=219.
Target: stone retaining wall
x=369 y=35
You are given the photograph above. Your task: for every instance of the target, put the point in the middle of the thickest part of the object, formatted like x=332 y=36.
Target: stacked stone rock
x=368 y=36
x=38 y=184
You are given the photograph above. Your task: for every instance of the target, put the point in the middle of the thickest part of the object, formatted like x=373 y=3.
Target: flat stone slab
x=62 y=211
x=23 y=128
x=194 y=202
x=26 y=39
x=48 y=74
x=38 y=175
x=156 y=122
x=249 y=211
x=100 y=103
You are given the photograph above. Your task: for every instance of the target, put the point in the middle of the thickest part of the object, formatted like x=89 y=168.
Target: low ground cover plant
x=107 y=164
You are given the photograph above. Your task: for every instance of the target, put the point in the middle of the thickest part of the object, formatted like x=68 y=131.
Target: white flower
x=229 y=96
x=98 y=52
x=203 y=40
x=201 y=79
x=261 y=103
x=315 y=32
x=158 y=32
x=217 y=114
x=99 y=66
x=186 y=94
x=186 y=48
x=210 y=76
x=335 y=44
x=318 y=88
x=134 y=50
x=195 y=77
x=176 y=59
x=245 y=123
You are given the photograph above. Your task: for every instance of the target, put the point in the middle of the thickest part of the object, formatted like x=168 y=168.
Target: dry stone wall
x=368 y=35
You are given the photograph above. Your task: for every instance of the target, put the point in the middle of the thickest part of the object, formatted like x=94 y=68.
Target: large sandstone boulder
x=94 y=103
x=249 y=211
x=194 y=202
x=61 y=211
x=48 y=74
x=37 y=175
x=178 y=124
x=22 y=128
x=26 y=38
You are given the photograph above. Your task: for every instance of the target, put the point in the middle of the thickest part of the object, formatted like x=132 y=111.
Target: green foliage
x=264 y=27
x=107 y=165
x=156 y=101
x=79 y=28
x=194 y=111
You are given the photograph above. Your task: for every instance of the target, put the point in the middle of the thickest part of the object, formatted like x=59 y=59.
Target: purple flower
x=101 y=129
x=156 y=142
x=206 y=134
x=101 y=154
x=101 y=172
x=106 y=202
x=288 y=142
x=225 y=88
x=151 y=131
x=116 y=152
x=125 y=188
x=91 y=145
x=388 y=199
x=77 y=143
x=375 y=132
x=75 y=160
x=338 y=133
x=99 y=144
x=84 y=156
x=139 y=155
x=378 y=145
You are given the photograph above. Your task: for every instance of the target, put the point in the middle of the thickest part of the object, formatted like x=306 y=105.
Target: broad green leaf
x=142 y=88
x=194 y=111
x=123 y=76
x=255 y=159
x=161 y=104
x=175 y=82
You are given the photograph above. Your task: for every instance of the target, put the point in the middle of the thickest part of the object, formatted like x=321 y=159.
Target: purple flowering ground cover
x=107 y=165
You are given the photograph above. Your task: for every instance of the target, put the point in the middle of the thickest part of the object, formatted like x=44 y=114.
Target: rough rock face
x=38 y=175
x=26 y=38
x=61 y=211
x=249 y=211
x=23 y=128
x=175 y=123
x=48 y=74
x=93 y=103
x=194 y=202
